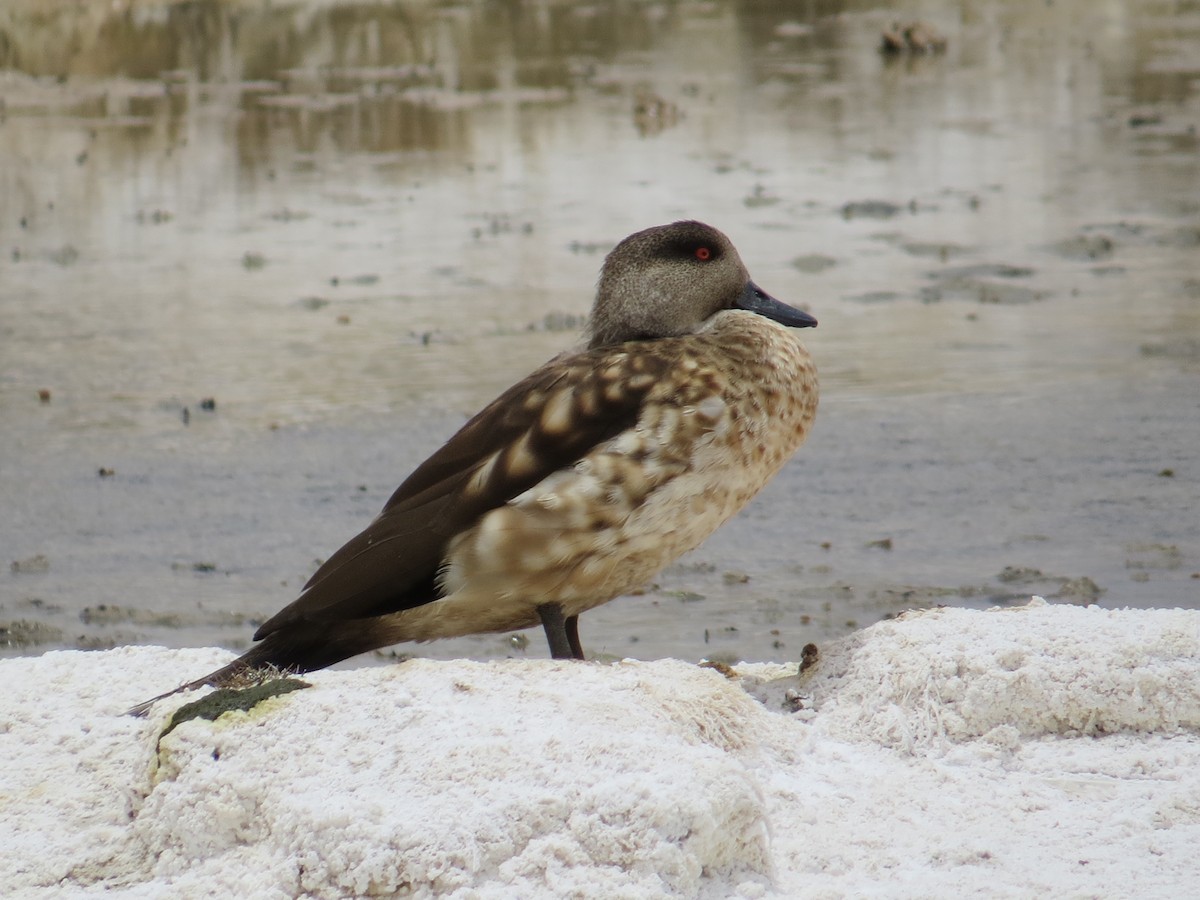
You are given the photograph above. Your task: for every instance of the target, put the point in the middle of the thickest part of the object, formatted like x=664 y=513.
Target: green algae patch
x=219 y=702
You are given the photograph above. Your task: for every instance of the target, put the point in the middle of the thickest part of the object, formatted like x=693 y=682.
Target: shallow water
x=349 y=225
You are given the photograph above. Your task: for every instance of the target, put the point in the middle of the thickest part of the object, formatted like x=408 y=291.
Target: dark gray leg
x=573 y=637
x=556 y=631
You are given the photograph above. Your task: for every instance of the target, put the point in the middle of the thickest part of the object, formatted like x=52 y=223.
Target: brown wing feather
x=507 y=448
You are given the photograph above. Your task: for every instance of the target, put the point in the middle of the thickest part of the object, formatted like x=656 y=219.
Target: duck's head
x=670 y=279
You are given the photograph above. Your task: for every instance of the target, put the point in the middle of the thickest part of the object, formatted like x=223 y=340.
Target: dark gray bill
x=754 y=299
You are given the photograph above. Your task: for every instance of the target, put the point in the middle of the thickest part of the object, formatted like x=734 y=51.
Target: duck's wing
x=545 y=422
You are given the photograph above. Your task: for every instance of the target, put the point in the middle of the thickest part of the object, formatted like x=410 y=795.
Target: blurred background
x=257 y=259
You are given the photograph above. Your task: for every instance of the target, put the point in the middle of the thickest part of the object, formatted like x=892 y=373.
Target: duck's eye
x=702 y=253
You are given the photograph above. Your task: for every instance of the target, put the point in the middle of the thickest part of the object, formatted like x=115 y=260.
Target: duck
x=579 y=483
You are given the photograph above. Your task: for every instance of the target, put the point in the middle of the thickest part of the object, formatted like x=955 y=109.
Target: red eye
x=703 y=253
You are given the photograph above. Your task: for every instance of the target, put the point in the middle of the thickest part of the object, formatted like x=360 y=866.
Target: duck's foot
x=572 y=625
x=562 y=634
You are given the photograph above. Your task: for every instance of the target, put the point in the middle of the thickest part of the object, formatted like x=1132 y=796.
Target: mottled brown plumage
x=584 y=479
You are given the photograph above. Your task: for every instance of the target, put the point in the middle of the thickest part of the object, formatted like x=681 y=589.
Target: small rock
x=939 y=250
x=24 y=633
x=874 y=297
x=1085 y=247
x=1083 y=589
x=1154 y=556
x=809 y=657
x=870 y=209
x=31 y=564
x=813 y=263
x=1020 y=575
x=64 y=256
x=724 y=668
x=558 y=321
x=981 y=270
x=914 y=37
x=653 y=114
x=1186 y=349
x=1008 y=294
x=760 y=197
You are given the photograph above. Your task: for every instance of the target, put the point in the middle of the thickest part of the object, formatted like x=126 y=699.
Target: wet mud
x=257 y=261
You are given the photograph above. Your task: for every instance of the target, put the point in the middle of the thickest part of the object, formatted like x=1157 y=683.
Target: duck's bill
x=754 y=299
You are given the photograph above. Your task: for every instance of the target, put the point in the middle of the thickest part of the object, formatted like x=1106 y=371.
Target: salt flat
x=997 y=753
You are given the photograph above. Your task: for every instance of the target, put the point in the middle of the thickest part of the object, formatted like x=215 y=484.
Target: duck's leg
x=572 y=625
x=561 y=634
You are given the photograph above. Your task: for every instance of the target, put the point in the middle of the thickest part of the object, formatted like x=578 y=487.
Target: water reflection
x=294 y=80
x=382 y=78
x=455 y=152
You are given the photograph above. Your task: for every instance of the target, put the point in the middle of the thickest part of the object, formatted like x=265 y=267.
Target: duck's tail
x=299 y=646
